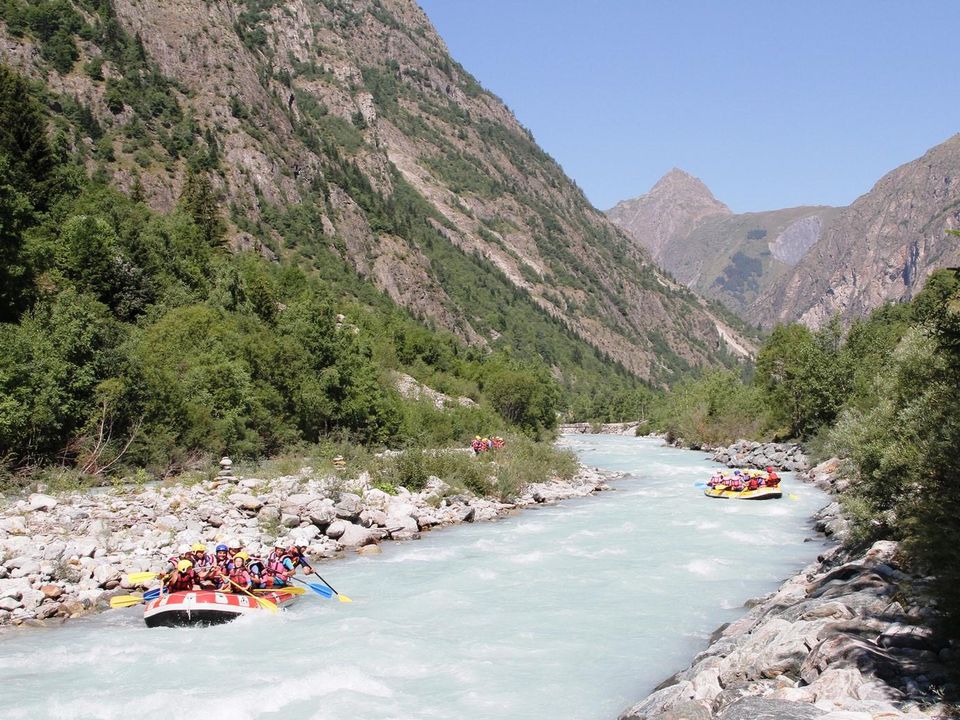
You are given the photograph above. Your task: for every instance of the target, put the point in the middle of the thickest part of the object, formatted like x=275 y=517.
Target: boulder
x=270 y=514
x=369 y=550
x=659 y=702
x=349 y=506
x=755 y=708
x=246 y=502
x=9 y=604
x=39 y=501
x=356 y=536
x=52 y=592
x=321 y=514
x=376 y=499
x=336 y=529
x=847 y=651
x=289 y=521
x=31 y=599
x=687 y=710
x=15 y=525
x=370 y=518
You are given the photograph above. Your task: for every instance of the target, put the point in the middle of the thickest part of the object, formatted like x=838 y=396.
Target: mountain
x=339 y=127
x=880 y=248
x=805 y=263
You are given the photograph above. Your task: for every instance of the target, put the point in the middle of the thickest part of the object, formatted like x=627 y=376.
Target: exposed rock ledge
x=839 y=641
x=62 y=557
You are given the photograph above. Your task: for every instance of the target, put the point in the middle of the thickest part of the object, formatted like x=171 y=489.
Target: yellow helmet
x=242 y=555
x=199 y=547
x=184 y=565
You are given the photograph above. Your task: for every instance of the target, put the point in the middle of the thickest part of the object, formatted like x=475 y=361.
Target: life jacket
x=182 y=581
x=204 y=561
x=477 y=446
x=753 y=484
x=772 y=479
x=241 y=577
x=498 y=442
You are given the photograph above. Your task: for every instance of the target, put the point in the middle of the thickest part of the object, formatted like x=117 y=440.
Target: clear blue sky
x=772 y=103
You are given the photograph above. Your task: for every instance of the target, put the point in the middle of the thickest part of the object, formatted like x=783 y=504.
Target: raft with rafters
x=209 y=607
x=761 y=493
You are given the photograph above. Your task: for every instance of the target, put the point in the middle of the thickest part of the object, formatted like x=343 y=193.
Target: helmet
x=769 y=468
x=222 y=548
x=476 y=437
x=198 y=547
x=234 y=543
x=242 y=555
x=184 y=565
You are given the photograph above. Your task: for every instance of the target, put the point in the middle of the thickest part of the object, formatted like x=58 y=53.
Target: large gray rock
x=9 y=604
x=321 y=514
x=776 y=648
x=349 y=506
x=336 y=529
x=355 y=536
x=376 y=499
x=15 y=525
x=754 y=708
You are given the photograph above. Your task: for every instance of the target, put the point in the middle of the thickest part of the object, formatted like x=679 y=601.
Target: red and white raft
x=208 y=607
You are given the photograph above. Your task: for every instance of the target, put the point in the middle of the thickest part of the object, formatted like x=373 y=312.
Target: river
x=572 y=612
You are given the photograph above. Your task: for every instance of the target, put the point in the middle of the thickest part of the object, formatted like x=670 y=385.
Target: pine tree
x=201 y=203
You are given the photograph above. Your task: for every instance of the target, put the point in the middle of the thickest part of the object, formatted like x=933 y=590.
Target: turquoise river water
x=570 y=612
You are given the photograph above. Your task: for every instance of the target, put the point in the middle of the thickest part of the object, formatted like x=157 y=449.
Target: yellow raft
x=761 y=493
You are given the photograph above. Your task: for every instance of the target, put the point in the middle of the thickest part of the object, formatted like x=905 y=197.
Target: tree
x=201 y=203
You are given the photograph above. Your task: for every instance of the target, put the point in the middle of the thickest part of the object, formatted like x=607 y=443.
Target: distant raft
x=761 y=493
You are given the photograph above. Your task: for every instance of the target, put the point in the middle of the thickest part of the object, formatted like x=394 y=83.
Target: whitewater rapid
x=571 y=611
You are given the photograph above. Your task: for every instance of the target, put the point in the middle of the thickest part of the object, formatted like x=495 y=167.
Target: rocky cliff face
x=350 y=121
x=810 y=263
x=880 y=248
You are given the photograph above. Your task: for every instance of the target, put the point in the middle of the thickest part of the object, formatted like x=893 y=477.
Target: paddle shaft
x=263 y=601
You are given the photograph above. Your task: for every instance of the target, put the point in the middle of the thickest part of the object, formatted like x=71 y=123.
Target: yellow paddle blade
x=122 y=601
x=141 y=577
x=266 y=604
x=343 y=598
x=793 y=497
x=287 y=590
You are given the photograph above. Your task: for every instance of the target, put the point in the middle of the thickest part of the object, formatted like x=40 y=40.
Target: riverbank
x=63 y=557
x=848 y=638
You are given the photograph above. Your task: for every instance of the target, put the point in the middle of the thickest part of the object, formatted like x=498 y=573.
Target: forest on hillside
x=134 y=338
x=884 y=395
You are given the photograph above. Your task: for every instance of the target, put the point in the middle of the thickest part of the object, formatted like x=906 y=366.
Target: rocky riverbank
x=65 y=556
x=848 y=638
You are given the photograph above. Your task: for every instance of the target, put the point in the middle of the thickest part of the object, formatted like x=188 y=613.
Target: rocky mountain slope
x=805 y=263
x=346 y=127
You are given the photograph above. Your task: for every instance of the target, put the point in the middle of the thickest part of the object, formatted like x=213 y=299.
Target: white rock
x=9 y=604
x=15 y=525
x=376 y=499
x=246 y=502
x=39 y=501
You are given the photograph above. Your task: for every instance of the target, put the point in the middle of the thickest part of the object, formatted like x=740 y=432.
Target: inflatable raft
x=208 y=607
x=761 y=493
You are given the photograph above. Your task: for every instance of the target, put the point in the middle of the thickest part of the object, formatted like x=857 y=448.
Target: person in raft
x=478 y=446
x=183 y=578
x=238 y=579
x=772 y=479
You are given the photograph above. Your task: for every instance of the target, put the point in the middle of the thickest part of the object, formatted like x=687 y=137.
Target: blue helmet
x=221 y=548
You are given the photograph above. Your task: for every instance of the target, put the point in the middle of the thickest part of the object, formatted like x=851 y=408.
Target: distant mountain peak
x=685 y=186
x=676 y=203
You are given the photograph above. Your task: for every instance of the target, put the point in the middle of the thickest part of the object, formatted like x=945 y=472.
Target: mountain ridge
x=811 y=262
x=356 y=114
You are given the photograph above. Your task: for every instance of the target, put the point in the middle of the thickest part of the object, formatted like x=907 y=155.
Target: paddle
x=122 y=601
x=321 y=590
x=341 y=598
x=288 y=590
x=263 y=601
x=141 y=577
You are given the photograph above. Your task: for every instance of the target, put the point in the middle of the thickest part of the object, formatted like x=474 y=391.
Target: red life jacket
x=772 y=479
x=182 y=581
x=241 y=577
x=753 y=484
